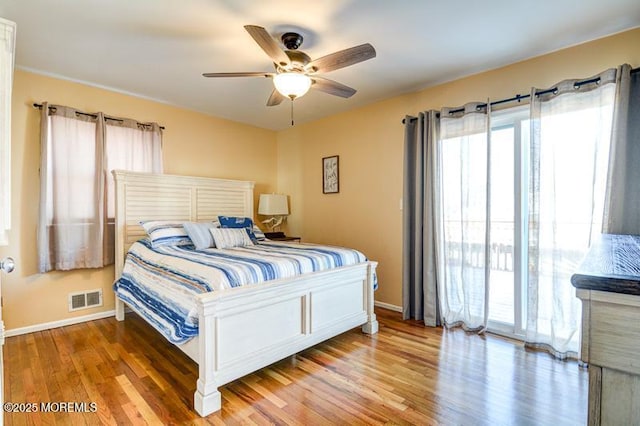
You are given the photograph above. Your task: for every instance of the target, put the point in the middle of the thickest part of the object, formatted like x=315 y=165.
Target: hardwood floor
x=406 y=374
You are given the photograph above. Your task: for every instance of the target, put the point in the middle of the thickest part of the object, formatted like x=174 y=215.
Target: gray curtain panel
x=623 y=187
x=419 y=281
x=43 y=237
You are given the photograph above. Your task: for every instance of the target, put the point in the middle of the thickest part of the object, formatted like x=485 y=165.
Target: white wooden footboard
x=249 y=328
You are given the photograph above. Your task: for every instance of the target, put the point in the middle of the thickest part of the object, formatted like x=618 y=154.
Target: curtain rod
x=39 y=106
x=519 y=97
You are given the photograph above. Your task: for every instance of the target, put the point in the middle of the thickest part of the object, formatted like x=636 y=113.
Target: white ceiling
x=158 y=49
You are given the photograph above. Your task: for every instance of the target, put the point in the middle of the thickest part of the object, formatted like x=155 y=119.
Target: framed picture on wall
x=330 y=177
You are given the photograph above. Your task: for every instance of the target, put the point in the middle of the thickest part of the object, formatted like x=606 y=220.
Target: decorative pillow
x=230 y=237
x=199 y=233
x=258 y=233
x=166 y=233
x=238 y=222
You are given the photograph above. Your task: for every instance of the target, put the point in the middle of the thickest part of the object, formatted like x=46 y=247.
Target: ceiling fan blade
x=268 y=44
x=332 y=87
x=276 y=98
x=238 y=74
x=343 y=58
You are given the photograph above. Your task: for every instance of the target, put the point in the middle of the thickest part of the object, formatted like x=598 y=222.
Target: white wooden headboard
x=147 y=196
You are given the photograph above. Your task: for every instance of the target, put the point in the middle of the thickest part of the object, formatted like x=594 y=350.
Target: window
x=129 y=146
x=79 y=151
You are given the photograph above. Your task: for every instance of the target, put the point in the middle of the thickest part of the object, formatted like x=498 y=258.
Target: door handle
x=7 y=265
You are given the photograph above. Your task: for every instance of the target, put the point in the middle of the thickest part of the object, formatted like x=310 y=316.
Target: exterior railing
x=501 y=248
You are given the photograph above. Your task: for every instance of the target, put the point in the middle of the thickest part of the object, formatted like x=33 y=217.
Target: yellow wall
x=193 y=143
x=366 y=214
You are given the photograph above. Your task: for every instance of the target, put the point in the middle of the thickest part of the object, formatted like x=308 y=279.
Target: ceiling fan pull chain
x=291 y=112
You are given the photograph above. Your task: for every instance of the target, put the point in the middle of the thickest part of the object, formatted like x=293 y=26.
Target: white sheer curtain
x=71 y=197
x=129 y=146
x=463 y=191
x=78 y=152
x=7 y=45
x=569 y=152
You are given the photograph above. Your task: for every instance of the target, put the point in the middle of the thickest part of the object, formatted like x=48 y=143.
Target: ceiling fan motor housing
x=292 y=41
x=298 y=60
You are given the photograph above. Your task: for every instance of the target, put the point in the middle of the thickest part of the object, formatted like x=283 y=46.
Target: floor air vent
x=85 y=300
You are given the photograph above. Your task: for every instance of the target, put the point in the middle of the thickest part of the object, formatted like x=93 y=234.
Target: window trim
x=7 y=50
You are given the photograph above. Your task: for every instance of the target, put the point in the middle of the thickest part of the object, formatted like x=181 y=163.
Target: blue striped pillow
x=166 y=233
x=199 y=233
x=258 y=233
x=230 y=237
x=238 y=222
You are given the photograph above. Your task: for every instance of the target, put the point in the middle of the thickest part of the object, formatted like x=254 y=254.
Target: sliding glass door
x=518 y=199
x=570 y=197
x=508 y=219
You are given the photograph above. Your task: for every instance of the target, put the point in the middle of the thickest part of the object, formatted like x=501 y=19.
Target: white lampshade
x=292 y=84
x=273 y=204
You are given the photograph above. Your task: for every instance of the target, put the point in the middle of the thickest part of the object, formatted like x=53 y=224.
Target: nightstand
x=279 y=236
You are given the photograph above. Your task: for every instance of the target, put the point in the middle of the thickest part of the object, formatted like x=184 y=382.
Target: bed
x=278 y=318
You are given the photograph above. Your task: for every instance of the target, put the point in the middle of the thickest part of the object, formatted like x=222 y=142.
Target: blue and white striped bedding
x=161 y=283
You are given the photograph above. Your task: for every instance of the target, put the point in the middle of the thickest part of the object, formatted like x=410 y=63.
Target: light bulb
x=292 y=84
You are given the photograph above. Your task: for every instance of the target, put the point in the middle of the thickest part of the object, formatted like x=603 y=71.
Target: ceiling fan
x=295 y=71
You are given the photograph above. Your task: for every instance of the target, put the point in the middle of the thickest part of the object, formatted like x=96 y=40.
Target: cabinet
x=608 y=284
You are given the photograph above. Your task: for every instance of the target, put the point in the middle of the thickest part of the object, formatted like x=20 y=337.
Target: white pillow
x=230 y=237
x=199 y=233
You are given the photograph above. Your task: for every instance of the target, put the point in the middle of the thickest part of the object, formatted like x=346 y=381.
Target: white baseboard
x=77 y=320
x=55 y=324
x=389 y=306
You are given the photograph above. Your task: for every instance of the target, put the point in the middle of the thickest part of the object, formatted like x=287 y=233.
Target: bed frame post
x=207 y=404
x=371 y=326
x=207 y=398
x=120 y=224
x=119 y=309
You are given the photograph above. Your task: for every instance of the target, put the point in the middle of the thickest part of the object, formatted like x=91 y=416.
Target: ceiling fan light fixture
x=292 y=84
